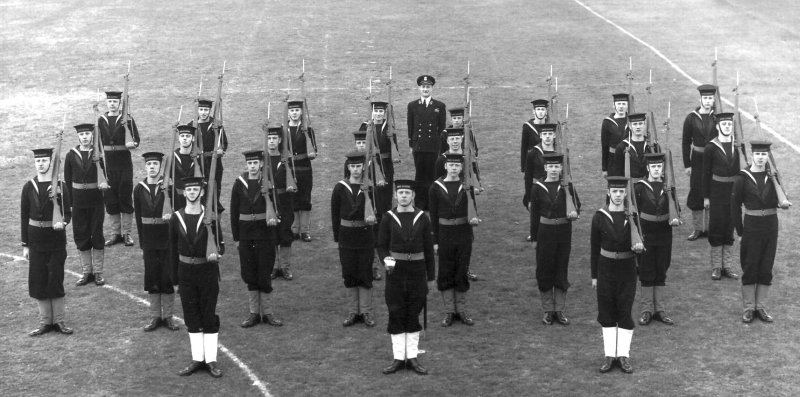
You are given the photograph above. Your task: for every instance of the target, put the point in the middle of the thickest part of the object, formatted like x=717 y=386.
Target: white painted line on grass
x=262 y=387
x=678 y=69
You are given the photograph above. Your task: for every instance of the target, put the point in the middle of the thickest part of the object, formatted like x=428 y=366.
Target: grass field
x=56 y=55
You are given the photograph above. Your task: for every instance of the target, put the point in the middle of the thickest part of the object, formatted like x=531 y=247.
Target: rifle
x=549 y=80
x=669 y=177
x=553 y=116
x=268 y=178
x=197 y=148
x=125 y=106
x=772 y=170
x=631 y=208
x=566 y=181
x=167 y=171
x=738 y=132
x=391 y=134
x=305 y=125
x=629 y=76
x=211 y=215
x=368 y=185
x=55 y=176
x=216 y=112
x=98 y=154
x=651 y=131
x=287 y=151
x=470 y=179
x=717 y=98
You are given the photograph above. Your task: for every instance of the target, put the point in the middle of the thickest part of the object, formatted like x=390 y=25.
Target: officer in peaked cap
x=427 y=119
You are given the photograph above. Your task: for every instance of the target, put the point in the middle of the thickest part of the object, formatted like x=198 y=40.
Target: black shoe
x=694 y=236
x=276 y=273
x=99 y=280
x=295 y=236
x=368 y=320
x=114 y=240
x=169 y=323
x=376 y=274
x=251 y=320
x=62 y=328
x=305 y=237
x=214 y=370
x=716 y=274
x=466 y=319
x=625 y=365
x=561 y=318
x=351 y=319
x=727 y=272
x=192 y=368
x=152 y=325
x=128 y=240
x=271 y=320
x=287 y=274
x=447 y=320
x=85 y=279
x=43 y=329
x=764 y=316
x=662 y=316
x=396 y=365
x=416 y=367
x=747 y=316
x=472 y=276
x=646 y=318
x=608 y=365
x=548 y=318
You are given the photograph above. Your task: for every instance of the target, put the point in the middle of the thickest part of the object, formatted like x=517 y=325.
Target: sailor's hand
x=166 y=217
x=706 y=203
x=26 y=253
x=370 y=220
x=272 y=222
x=312 y=155
x=214 y=257
x=786 y=204
x=675 y=222
x=58 y=226
x=474 y=221
x=103 y=186
x=573 y=215
x=594 y=283
x=688 y=171
x=131 y=145
x=638 y=248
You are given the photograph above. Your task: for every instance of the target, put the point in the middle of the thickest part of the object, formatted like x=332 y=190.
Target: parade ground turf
x=56 y=55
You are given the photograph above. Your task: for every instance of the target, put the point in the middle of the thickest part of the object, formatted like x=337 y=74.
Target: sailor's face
x=656 y=170
x=707 y=101
x=637 y=127
x=295 y=113
x=203 y=113
x=548 y=137
x=725 y=127
x=113 y=105
x=617 y=195
x=273 y=141
x=253 y=166
x=621 y=106
x=760 y=158
x=404 y=197
x=152 y=167
x=42 y=164
x=540 y=112
x=425 y=90
x=185 y=140
x=553 y=170
x=85 y=138
x=192 y=193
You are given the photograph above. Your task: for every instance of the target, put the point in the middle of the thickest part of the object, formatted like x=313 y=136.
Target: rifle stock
x=125 y=106
x=287 y=151
x=98 y=153
x=268 y=182
x=167 y=171
x=369 y=166
x=392 y=134
x=738 y=132
x=55 y=178
x=566 y=180
x=470 y=180
x=772 y=171
x=669 y=186
x=211 y=208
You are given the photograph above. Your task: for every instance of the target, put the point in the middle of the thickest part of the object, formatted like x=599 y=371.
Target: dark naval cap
x=278 y=130
x=426 y=79
x=654 y=158
x=255 y=154
x=355 y=157
x=44 y=152
x=404 y=184
x=622 y=97
x=113 y=94
x=617 y=182
x=636 y=117
x=379 y=104
x=295 y=104
x=454 y=158
x=760 y=146
x=204 y=103
x=84 y=127
x=707 y=89
x=193 y=181
x=454 y=131
x=153 y=156
x=186 y=129
x=540 y=103
x=553 y=158
x=727 y=116
x=361 y=134
x=547 y=128
x=456 y=111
